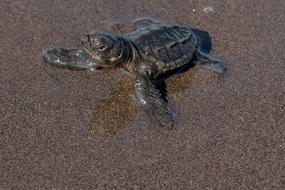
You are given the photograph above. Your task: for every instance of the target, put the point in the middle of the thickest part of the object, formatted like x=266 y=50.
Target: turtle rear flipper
x=74 y=59
x=210 y=63
x=151 y=101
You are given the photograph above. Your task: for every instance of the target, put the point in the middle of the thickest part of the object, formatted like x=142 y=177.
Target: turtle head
x=105 y=49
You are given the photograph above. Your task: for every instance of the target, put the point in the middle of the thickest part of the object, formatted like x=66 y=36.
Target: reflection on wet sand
x=114 y=112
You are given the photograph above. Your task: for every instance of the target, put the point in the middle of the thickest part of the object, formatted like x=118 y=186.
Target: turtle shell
x=168 y=46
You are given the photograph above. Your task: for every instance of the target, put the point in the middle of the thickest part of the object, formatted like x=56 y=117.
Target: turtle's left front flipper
x=151 y=101
x=75 y=59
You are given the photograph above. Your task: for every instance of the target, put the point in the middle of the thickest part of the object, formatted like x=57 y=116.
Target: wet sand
x=229 y=131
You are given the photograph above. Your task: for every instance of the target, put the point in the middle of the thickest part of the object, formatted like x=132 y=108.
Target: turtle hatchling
x=150 y=49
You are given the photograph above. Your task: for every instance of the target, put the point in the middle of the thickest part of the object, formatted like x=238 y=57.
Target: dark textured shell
x=166 y=45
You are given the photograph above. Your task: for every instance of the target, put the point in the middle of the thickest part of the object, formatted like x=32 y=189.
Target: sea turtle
x=150 y=49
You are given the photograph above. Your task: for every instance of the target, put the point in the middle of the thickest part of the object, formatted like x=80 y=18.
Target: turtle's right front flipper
x=151 y=101
x=75 y=59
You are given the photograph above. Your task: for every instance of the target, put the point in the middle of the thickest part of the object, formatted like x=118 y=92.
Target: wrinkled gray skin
x=149 y=50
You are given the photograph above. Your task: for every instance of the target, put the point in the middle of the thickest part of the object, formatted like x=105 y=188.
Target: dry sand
x=229 y=131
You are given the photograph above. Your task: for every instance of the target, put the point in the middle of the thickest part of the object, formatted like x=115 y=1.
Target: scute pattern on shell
x=166 y=45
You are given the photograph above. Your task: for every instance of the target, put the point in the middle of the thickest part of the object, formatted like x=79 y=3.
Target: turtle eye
x=100 y=47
